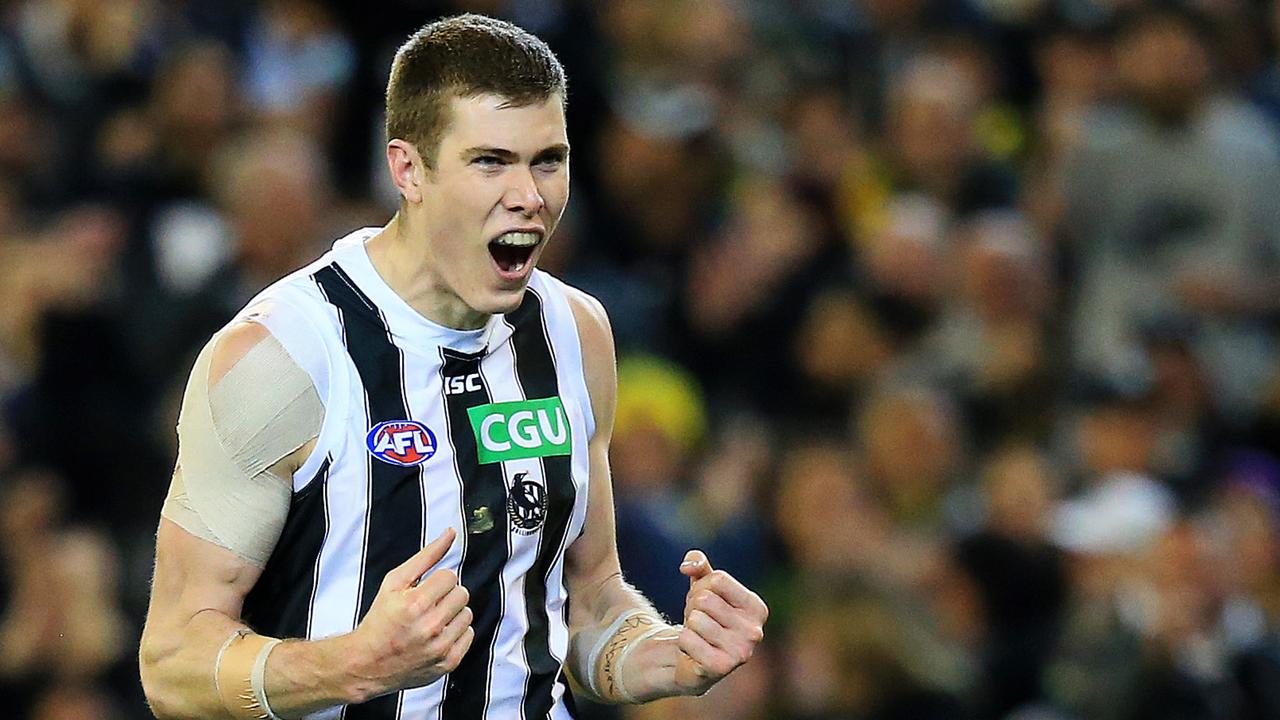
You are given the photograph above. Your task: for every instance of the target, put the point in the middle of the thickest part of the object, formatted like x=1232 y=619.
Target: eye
x=488 y=161
x=550 y=160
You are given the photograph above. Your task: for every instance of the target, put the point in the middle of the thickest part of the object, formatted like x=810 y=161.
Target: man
x=1170 y=215
x=422 y=381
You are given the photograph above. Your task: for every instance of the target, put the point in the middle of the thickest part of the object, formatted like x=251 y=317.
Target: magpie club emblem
x=526 y=504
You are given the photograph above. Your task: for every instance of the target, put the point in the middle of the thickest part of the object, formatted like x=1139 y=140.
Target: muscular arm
x=675 y=660
x=413 y=634
x=197 y=595
x=196 y=599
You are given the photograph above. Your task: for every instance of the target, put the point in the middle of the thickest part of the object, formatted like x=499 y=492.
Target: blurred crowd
x=949 y=325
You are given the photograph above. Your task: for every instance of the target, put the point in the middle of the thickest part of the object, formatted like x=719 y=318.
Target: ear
x=407 y=170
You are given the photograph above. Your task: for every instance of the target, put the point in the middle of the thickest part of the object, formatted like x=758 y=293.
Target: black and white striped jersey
x=425 y=428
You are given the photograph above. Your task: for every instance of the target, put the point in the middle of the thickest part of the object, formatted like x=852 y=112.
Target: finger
x=437 y=586
x=408 y=572
x=452 y=632
x=460 y=648
x=727 y=628
x=705 y=655
x=447 y=605
x=735 y=593
x=721 y=611
x=708 y=629
x=696 y=565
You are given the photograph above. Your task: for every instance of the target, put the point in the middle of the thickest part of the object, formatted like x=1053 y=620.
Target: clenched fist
x=418 y=628
x=723 y=624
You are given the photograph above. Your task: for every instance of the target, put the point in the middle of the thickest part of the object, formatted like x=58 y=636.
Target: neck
x=409 y=271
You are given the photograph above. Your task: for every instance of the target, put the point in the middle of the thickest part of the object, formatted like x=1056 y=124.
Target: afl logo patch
x=526 y=505
x=401 y=442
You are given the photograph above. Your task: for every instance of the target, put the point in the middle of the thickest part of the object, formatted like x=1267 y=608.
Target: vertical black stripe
x=279 y=604
x=536 y=372
x=396 y=504
x=484 y=492
x=315 y=577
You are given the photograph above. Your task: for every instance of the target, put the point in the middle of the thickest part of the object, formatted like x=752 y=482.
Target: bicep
x=193 y=575
x=197 y=592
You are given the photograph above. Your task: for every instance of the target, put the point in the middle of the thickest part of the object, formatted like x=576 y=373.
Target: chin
x=501 y=302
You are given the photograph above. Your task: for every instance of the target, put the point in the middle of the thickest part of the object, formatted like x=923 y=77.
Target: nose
x=523 y=195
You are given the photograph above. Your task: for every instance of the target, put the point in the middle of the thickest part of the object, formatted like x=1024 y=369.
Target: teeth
x=518 y=239
x=517 y=267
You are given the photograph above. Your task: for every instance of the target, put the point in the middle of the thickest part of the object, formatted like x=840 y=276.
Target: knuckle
x=397 y=644
x=416 y=607
x=757 y=634
x=438 y=648
x=455 y=657
x=685 y=641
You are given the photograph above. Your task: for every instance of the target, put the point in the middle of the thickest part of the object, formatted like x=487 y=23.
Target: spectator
x=1169 y=211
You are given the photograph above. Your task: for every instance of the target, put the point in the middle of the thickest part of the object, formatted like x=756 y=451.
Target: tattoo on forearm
x=610 y=671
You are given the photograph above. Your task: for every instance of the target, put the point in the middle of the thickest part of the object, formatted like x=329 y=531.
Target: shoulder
x=232 y=344
x=248 y=379
x=590 y=316
x=257 y=356
x=599 y=356
x=295 y=314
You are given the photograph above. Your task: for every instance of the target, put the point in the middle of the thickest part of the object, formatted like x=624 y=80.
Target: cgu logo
x=401 y=442
x=522 y=429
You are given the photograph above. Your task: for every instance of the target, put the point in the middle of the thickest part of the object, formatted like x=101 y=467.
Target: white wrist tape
x=607 y=662
x=217 y=664
x=258 y=679
x=593 y=660
x=239 y=674
x=623 y=694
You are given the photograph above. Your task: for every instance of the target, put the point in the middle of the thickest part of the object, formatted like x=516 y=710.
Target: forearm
x=619 y=660
x=177 y=664
x=178 y=671
x=305 y=676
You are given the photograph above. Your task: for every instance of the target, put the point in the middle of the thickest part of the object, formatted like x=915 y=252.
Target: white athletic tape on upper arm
x=265 y=407
x=177 y=507
x=262 y=410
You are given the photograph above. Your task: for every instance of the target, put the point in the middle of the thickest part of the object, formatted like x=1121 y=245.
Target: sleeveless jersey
x=425 y=428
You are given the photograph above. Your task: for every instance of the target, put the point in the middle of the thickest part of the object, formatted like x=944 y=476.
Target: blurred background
x=949 y=325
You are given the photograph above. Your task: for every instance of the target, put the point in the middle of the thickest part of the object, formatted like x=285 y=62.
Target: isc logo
x=401 y=442
x=462 y=383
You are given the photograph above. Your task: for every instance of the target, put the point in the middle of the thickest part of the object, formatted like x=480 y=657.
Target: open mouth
x=511 y=251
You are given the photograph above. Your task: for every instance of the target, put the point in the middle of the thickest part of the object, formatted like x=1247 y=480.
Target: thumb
x=696 y=565
x=411 y=570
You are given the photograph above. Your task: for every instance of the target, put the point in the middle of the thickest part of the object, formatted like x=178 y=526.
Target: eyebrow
x=508 y=155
